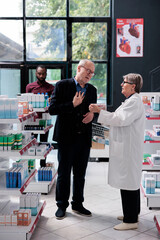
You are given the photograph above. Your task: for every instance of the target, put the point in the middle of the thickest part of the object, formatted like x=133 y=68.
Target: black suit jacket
x=69 y=119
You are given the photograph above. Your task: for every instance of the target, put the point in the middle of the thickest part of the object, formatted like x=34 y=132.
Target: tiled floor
x=105 y=204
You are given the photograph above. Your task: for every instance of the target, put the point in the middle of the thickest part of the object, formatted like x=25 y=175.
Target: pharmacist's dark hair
x=136 y=79
x=41 y=66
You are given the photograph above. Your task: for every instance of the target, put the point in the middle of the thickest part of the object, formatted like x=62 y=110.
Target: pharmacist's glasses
x=89 y=71
x=127 y=82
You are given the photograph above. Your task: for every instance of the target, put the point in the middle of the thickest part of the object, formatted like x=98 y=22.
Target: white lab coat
x=125 y=143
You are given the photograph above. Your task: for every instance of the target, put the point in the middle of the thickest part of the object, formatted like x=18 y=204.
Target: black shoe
x=81 y=210
x=60 y=213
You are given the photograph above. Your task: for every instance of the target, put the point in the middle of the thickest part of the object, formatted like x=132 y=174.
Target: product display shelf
x=151 y=113
x=27 y=116
x=19 y=119
x=157 y=222
x=38 y=156
x=153 y=135
x=40 y=186
x=152 y=118
x=21 y=232
x=151 y=146
x=18 y=232
x=150 y=166
x=18 y=153
x=153 y=200
x=14 y=191
x=39 y=131
x=40 y=109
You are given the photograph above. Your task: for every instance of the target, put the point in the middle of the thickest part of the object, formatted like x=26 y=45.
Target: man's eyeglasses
x=89 y=71
x=127 y=82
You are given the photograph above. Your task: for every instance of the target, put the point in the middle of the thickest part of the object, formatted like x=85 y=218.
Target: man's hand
x=88 y=117
x=78 y=98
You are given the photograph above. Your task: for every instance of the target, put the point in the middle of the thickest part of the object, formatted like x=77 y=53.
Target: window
x=46 y=40
x=9 y=82
x=55 y=32
x=91 y=8
x=89 y=40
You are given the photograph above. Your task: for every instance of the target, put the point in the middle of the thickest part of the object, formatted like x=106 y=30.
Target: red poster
x=129 y=33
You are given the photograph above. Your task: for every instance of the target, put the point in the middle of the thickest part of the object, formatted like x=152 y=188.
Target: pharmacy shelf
x=14 y=154
x=39 y=131
x=18 y=120
x=21 y=232
x=38 y=156
x=152 y=135
x=40 y=186
x=157 y=222
x=151 y=113
x=40 y=109
x=18 y=153
x=150 y=166
x=14 y=191
x=152 y=118
x=29 y=179
x=149 y=94
x=27 y=116
x=150 y=141
x=27 y=146
x=152 y=199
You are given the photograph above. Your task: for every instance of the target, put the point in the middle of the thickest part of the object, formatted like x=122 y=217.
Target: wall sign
x=129 y=33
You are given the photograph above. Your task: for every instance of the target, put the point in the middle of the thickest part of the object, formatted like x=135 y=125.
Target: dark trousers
x=72 y=156
x=130 y=205
x=43 y=138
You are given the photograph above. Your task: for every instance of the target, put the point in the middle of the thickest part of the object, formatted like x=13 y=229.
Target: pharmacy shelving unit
x=46 y=129
x=10 y=197
x=153 y=200
x=43 y=187
x=19 y=232
x=150 y=147
x=150 y=166
x=40 y=109
x=40 y=186
x=35 y=185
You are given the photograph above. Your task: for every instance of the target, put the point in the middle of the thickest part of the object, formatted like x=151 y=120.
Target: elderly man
x=73 y=132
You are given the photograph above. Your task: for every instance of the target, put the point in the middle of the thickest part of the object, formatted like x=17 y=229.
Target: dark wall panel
x=150 y=62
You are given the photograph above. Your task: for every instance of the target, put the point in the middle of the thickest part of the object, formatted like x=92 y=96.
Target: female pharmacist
x=126 y=148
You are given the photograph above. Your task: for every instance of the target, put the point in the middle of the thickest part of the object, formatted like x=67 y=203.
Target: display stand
x=153 y=200
x=17 y=232
x=150 y=166
x=21 y=232
x=40 y=186
x=151 y=146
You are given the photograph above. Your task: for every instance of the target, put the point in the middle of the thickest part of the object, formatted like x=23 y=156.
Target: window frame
x=65 y=65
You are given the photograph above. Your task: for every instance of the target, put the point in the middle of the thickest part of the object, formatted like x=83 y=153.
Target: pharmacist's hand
x=88 y=117
x=94 y=108
x=78 y=99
